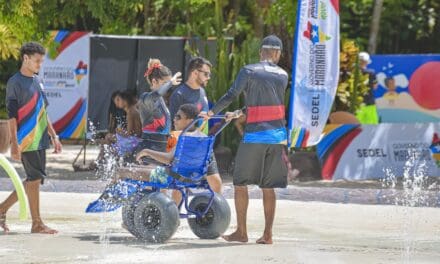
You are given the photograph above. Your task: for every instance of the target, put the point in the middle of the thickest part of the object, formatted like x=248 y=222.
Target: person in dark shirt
x=128 y=124
x=193 y=90
x=129 y=105
x=155 y=116
x=261 y=158
x=117 y=117
x=30 y=129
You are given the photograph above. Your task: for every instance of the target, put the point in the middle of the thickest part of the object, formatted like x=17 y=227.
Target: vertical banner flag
x=65 y=75
x=315 y=70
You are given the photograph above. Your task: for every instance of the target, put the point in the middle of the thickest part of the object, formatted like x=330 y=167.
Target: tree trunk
x=377 y=11
x=258 y=22
x=147 y=28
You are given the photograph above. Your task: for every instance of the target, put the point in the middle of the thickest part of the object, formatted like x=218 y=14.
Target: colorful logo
x=60 y=40
x=314 y=34
x=80 y=71
x=435 y=149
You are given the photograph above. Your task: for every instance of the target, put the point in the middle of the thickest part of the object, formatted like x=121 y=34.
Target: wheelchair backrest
x=192 y=156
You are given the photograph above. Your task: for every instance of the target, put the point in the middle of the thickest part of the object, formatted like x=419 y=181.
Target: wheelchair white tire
x=216 y=220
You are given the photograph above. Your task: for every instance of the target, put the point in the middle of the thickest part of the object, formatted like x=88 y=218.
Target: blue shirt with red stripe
x=264 y=85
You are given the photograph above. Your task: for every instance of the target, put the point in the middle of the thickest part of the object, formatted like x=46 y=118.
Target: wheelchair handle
x=197 y=119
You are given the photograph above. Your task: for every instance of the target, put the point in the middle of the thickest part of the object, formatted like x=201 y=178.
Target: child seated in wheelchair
x=158 y=174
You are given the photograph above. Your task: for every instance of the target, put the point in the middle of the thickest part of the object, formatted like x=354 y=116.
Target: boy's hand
x=58 y=147
x=206 y=115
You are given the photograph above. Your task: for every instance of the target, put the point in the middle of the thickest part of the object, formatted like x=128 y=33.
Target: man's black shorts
x=34 y=163
x=261 y=164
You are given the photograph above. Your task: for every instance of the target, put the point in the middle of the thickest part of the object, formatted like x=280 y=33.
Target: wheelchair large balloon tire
x=215 y=222
x=156 y=218
x=128 y=213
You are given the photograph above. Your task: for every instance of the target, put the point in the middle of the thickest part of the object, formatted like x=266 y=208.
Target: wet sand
x=305 y=232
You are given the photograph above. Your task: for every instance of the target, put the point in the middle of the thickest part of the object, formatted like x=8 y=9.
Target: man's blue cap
x=272 y=42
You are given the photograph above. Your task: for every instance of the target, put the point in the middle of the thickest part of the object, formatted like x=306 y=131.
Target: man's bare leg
x=241 y=198
x=4 y=207
x=33 y=193
x=269 y=203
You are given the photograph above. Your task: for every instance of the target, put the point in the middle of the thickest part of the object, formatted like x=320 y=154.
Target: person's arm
x=51 y=131
x=15 y=149
x=112 y=124
x=12 y=108
x=134 y=127
x=164 y=88
x=162 y=157
x=175 y=103
x=137 y=124
x=54 y=137
x=175 y=80
x=239 y=123
x=237 y=87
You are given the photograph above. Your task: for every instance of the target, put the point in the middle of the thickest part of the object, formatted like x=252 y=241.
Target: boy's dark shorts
x=212 y=167
x=34 y=163
x=261 y=164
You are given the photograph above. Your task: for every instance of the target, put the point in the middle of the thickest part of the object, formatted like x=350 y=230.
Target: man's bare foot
x=3 y=224
x=41 y=228
x=236 y=237
x=265 y=239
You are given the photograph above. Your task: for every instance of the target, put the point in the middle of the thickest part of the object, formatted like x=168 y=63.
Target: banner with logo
x=384 y=151
x=408 y=89
x=66 y=82
x=315 y=70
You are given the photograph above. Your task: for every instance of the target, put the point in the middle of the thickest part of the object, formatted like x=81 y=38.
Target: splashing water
x=414 y=185
x=107 y=161
x=106 y=164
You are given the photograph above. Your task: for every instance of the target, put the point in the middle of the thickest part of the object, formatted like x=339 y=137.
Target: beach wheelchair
x=152 y=216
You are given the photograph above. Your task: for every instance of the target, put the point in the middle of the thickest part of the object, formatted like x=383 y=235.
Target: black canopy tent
x=119 y=62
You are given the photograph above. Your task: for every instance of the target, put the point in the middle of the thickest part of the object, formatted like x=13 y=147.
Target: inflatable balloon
x=16 y=181
x=10 y=171
x=424 y=85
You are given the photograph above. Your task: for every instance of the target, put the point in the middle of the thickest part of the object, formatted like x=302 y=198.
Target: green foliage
x=18 y=24
x=3 y=114
x=353 y=85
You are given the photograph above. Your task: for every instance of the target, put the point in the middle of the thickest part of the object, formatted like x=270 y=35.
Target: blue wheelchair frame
x=185 y=172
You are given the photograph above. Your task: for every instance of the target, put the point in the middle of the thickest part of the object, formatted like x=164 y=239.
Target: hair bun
x=153 y=62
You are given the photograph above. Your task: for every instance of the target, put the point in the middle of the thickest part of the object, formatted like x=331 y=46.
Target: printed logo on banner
x=59 y=77
x=65 y=77
x=317 y=59
x=317 y=9
x=315 y=70
x=371 y=153
x=435 y=149
x=403 y=151
x=80 y=71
